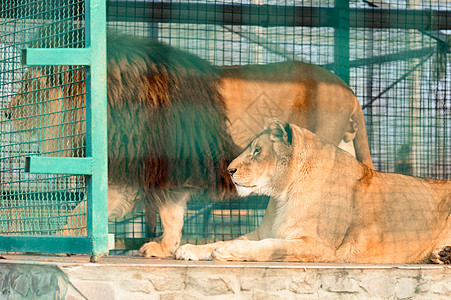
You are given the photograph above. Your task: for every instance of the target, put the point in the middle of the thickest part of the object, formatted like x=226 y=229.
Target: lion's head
x=261 y=167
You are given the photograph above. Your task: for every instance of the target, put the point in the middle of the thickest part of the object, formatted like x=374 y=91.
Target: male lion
x=326 y=206
x=168 y=121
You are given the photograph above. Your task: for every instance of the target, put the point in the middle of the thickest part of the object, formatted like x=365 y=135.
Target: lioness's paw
x=442 y=255
x=191 y=252
x=153 y=249
x=233 y=251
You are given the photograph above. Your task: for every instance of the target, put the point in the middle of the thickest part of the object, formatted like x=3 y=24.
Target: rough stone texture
x=304 y=283
x=163 y=280
x=378 y=284
x=405 y=287
x=30 y=277
x=339 y=282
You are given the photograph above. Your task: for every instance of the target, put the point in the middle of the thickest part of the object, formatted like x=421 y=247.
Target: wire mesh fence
x=399 y=75
x=403 y=89
x=396 y=64
x=39 y=116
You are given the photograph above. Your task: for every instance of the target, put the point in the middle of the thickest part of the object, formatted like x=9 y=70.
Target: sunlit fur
x=296 y=92
x=326 y=206
x=168 y=112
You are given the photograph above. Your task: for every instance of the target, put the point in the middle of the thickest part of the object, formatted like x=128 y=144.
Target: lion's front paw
x=192 y=252
x=153 y=249
x=232 y=251
x=442 y=255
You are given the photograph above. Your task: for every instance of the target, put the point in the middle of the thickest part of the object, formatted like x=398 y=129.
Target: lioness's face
x=261 y=167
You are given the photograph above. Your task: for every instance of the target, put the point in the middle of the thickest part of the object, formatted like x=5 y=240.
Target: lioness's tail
x=362 y=149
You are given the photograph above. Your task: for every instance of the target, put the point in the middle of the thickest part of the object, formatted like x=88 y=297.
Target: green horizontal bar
x=56 y=56
x=47 y=244
x=59 y=165
x=274 y=15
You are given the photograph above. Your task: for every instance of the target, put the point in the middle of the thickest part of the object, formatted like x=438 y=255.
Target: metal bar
x=60 y=244
x=267 y=15
x=264 y=42
x=403 y=77
x=56 y=56
x=59 y=165
x=341 y=40
x=220 y=14
x=402 y=55
x=437 y=35
x=97 y=241
x=96 y=125
x=275 y=15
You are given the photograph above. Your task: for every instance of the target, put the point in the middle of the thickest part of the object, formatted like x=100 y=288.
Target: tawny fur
x=296 y=92
x=168 y=115
x=326 y=206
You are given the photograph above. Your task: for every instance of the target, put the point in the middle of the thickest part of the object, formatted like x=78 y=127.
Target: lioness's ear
x=280 y=131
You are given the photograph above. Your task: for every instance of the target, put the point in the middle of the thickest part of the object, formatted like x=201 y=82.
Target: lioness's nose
x=232 y=171
x=7 y=115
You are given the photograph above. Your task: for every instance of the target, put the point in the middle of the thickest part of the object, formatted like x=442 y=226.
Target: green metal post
x=95 y=163
x=341 y=40
x=96 y=120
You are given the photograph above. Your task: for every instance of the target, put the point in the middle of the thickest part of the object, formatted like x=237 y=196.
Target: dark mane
x=167 y=124
x=167 y=120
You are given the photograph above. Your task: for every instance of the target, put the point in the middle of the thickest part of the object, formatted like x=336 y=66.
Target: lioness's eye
x=257 y=150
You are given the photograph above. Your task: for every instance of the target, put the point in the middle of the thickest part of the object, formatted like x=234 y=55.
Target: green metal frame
x=341 y=40
x=95 y=164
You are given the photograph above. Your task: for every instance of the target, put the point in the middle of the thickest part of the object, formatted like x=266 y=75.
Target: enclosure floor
x=133 y=277
x=122 y=260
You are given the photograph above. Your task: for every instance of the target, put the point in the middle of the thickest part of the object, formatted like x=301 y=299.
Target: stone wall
x=139 y=278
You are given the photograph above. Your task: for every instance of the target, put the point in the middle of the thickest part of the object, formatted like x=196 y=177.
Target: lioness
x=327 y=207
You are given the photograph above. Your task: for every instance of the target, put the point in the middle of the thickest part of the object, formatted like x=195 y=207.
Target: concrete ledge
x=53 y=277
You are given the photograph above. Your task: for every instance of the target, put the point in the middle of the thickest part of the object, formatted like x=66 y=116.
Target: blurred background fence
x=393 y=54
